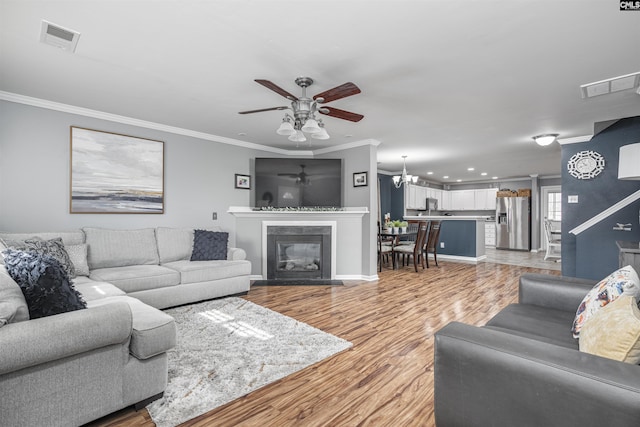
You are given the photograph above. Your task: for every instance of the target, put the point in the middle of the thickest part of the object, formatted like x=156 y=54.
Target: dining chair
x=431 y=242
x=554 y=243
x=385 y=248
x=413 y=249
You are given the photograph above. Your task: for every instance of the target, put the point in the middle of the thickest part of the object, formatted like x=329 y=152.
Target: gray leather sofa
x=72 y=368
x=523 y=368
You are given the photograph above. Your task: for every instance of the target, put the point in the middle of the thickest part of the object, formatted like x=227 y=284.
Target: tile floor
x=521 y=258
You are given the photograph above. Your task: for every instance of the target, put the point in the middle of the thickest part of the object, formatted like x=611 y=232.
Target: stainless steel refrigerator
x=513 y=223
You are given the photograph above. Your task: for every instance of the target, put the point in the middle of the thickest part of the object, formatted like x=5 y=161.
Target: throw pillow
x=78 y=257
x=45 y=284
x=209 y=245
x=13 y=307
x=625 y=280
x=54 y=248
x=614 y=331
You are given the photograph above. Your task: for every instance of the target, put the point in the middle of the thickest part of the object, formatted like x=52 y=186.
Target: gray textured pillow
x=54 y=248
x=78 y=256
x=209 y=245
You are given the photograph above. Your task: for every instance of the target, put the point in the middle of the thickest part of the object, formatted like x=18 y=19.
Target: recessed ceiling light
x=429 y=173
x=483 y=174
x=471 y=169
x=242 y=134
x=458 y=180
x=494 y=177
x=446 y=177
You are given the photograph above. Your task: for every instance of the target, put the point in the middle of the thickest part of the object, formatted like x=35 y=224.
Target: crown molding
x=575 y=139
x=86 y=112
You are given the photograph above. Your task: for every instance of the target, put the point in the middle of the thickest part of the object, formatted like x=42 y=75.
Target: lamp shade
x=311 y=126
x=629 y=162
x=297 y=136
x=320 y=135
x=286 y=128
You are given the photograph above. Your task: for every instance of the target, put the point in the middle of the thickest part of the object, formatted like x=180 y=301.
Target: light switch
x=572 y=199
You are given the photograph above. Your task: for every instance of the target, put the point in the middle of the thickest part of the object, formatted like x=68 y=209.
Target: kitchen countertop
x=449 y=217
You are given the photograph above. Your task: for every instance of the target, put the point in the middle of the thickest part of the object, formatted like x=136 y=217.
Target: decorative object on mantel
x=405 y=178
x=360 y=179
x=303 y=109
x=243 y=181
x=229 y=347
x=113 y=173
x=299 y=209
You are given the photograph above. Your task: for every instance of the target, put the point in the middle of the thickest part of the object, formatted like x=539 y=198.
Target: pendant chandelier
x=405 y=178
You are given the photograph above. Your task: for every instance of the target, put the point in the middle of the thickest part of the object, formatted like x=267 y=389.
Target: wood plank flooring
x=386 y=378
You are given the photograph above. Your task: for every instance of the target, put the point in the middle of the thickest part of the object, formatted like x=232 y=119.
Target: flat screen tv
x=289 y=182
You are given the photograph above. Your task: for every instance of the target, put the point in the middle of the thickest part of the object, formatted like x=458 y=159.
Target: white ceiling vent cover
x=60 y=37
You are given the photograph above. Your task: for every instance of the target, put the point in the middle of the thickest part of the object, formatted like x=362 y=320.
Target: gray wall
x=593 y=254
x=199 y=177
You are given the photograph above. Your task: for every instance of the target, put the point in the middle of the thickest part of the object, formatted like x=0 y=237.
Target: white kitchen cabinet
x=489 y=233
x=415 y=197
x=462 y=200
x=485 y=199
x=445 y=203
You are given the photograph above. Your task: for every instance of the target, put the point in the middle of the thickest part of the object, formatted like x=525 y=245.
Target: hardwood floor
x=386 y=378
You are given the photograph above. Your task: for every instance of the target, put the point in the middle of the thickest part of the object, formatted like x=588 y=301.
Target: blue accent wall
x=391 y=198
x=459 y=238
x=593 y=254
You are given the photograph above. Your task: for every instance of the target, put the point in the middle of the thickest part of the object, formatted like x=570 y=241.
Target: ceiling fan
x=304 y=108
x=301 y=178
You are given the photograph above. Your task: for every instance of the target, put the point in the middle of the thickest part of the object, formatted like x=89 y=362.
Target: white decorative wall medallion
x=585 y=164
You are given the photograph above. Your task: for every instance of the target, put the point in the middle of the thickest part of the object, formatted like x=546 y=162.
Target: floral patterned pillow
x=623 y=281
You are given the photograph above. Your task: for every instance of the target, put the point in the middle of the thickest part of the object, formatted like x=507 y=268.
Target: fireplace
x=299 y=252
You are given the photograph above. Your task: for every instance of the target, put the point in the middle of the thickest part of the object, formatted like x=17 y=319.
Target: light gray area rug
x=229 y=347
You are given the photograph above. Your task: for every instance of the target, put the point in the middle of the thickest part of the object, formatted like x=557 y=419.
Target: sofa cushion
x=54 y=248
x=119 y=248
x=624 y=280
x=154 y=331
x=13 y=306
x=209 y=245
x=204 y=271
x=174 y=244
x=93 y=290
x=133 y=278
x=45 y=284
x=614 y=331
x=536 y=322
x=78 y=256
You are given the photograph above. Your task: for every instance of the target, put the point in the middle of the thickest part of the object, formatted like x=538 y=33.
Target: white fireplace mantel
x=348 y=229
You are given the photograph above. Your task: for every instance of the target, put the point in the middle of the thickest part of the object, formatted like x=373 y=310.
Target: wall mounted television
x=292 y=182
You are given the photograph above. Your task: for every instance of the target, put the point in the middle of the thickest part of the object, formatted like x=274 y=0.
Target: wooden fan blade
x=342 y=114
x=262 y=109
x=338 y=92
x=277 y=89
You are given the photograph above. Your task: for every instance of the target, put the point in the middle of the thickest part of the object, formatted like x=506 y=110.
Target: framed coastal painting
x=113 y=173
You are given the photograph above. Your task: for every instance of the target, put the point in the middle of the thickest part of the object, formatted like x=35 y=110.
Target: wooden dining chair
x=413 y=249
x=431 y=242
x=385 y=248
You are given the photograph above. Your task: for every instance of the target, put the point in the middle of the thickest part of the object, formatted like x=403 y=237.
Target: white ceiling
x=450 y=84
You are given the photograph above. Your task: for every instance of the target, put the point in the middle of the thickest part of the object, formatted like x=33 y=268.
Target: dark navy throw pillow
x=44 y=282
x=209 y=245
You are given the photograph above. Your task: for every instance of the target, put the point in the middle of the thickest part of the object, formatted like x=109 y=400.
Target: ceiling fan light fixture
x=545 y=139
x=311 y=126
x=297 y=136
x=320 y=135
x=286 y=128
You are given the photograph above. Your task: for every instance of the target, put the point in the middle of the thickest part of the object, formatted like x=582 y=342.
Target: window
x=554 y=206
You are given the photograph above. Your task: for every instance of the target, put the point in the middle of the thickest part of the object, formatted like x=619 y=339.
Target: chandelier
x=304 y=119
x=405 y=178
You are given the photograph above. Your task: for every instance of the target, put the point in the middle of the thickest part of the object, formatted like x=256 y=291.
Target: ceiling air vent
x=614 y=84
x=60 y=37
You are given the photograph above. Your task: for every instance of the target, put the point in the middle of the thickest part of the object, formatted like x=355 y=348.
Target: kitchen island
x=461 y=237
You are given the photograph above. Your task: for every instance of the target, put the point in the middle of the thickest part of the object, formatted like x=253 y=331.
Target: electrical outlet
x=442 y=245
x=214 y=216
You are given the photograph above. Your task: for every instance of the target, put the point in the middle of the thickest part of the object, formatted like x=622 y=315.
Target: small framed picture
x=243 y=181
x=360 y=179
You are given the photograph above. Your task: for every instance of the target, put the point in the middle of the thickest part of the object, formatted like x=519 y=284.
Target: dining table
x=395 y=237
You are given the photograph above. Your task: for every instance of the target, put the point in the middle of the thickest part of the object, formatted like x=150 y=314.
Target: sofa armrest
x=488 y=377
x=558 y=292
x=236 y=254
x=37 y=341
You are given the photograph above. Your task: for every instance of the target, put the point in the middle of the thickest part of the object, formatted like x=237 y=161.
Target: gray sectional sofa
x=72 y=368
x=524 y=368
